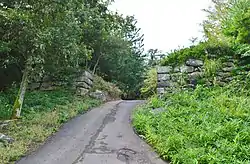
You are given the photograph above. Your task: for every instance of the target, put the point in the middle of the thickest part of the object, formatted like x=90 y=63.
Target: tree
x=38 y=33
x=228 y=21
x=45 y=37
x=152 y=55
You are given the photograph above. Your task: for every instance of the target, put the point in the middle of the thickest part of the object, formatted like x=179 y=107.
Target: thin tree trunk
x=96 y=64
x=20 y=97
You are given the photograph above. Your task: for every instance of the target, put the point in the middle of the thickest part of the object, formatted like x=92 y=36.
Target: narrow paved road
x=102 y=136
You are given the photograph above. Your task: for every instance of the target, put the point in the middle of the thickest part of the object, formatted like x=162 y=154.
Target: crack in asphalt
x=107 y=119
x=96 y=138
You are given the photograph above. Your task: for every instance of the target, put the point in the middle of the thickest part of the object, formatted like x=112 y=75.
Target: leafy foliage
x=178 y=57
x=207 y=125
x=36 y=101
x=45 y=38
x=66 y=35
x=113 y=91
x=150 y=83
x=211 y=67
x=226 y=32
x=44 y=113
x=228 y=21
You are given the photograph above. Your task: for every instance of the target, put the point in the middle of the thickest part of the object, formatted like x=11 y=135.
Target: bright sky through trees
x=166 y=24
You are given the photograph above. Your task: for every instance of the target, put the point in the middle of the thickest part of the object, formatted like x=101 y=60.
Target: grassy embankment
x=43 y=113
x=207 y=125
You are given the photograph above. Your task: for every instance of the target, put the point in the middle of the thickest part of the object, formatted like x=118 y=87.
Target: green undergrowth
x=207 y=125
x=111 y=89
x=43 y=114
x=178 y=57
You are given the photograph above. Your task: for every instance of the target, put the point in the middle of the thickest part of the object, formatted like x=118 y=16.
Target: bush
x=150 y=84
x=113 y=91
x=212 y=67
x=207 y=125
x=43 y=114
x=202 y=51
x=178 y=57
x=35 y=101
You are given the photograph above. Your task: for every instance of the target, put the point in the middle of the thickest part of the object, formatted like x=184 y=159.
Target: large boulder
x=163 y=77
x=47 y=86
x=228 y=69
x=186 y=69
x=224 y=74
x=100 y=95
x=34 y=86
x=176 y=69
x=194 y=63
x=195 y=75
x=164 y=69
x=84 y=79
x=82 y=91
x=88 y=75
x=82 y=85
x=164 y=84
x=160 y=91
x=6 y=139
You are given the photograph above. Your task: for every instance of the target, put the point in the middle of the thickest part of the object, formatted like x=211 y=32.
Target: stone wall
x=188 y=74
x=82 y=83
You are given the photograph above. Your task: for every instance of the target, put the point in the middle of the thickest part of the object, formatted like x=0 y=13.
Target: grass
x=43 y=114
x=204 y=126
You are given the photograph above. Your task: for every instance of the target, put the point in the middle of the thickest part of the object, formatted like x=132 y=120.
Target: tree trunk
x=97 y=62
x=20 y=97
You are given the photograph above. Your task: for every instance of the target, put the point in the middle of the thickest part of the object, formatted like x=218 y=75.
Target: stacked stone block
x=186 y=75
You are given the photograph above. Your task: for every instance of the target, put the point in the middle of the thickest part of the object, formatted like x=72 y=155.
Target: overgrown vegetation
x=43 y=113
x=149 y=84
x=44 y=38
x=207 y=125
x=226 y=31
x=211 y=67
x=56 y=40
x=178 y=57
x=112 y=90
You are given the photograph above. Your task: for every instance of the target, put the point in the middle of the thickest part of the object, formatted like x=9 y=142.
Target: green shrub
x=150 y=83
x=5 y=107
x=207 y=125
x=211 y=67
x=243 y=51
x=178 y=57
x=113 y=91
x=6 y=102
x=43 y=114
x=35 y=101
x=202 y=51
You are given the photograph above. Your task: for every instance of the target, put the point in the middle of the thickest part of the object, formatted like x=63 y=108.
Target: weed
x=150 y=83
x=207 y=125
x=113 y=91
x=212 y=66
x=43 y=114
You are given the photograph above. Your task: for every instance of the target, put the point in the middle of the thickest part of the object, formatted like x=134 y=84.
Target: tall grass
x=43 y=114
x=207 y=125
x=35 y=101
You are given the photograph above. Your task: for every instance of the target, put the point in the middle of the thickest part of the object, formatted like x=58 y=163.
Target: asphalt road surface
x=102 y=136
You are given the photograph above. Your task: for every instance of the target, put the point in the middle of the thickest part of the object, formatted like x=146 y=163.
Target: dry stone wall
x=188 y=74
x=82 y=83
